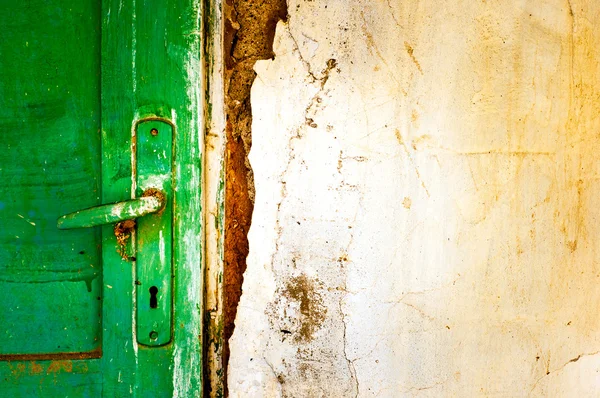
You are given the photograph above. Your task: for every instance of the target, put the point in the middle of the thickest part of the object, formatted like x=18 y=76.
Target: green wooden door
x=84 y=87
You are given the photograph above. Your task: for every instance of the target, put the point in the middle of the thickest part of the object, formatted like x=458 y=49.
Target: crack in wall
x=321 y=81
x=561 y=367
x=350 y=362
x=317 y=79
x=248 y=37
x=344 y=258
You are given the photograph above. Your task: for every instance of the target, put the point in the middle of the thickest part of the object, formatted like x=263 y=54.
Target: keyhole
x=153 y=299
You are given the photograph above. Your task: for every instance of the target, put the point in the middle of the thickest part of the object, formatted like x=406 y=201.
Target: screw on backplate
x=153 y=335
x=154 y=132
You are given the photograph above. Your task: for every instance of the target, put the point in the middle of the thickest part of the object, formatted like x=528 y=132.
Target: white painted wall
x=426 y=219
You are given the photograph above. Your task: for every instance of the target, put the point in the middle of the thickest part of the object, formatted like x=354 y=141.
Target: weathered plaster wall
x=425 y=220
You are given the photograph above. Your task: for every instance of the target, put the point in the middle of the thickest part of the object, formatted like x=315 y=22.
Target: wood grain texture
x=49 y=165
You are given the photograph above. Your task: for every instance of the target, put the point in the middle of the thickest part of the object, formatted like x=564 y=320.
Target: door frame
x=214 y=192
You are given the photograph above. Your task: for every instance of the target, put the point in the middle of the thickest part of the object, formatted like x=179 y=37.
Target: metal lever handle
x=114 y=212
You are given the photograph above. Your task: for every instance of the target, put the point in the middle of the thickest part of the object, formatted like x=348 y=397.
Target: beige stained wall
x=427 y=216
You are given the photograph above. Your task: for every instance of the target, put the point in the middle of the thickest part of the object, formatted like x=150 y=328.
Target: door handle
x=151 y=201
x=153 y=177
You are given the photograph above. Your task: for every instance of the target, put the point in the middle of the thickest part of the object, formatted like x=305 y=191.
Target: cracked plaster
x=430 y=171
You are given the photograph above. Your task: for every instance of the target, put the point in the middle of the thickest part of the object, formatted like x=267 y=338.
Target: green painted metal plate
x=154 y=149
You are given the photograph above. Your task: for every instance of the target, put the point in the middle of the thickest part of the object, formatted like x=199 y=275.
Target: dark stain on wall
x=298 y=310
x=249 y=33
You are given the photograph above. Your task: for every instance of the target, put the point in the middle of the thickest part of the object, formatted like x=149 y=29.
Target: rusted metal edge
x=97 y=353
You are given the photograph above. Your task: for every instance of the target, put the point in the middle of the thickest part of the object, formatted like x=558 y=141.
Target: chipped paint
x=155 y=181
x=147 y=205
x=134 y=46
x=188 y=232
x=26 y=220
x=161 y=247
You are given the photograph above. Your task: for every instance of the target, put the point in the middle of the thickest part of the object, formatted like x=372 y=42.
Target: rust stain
x=410 y=158
x=62 y=366
x=575 y=228
x=97 y=353
x=158 y=194
x=373 y=49
x=414 y=117
x=407 y=202
x=370 y=41
x=420 y=142
x=25 y=368
x=411 y=54
x=18 y=370
x=399 y=137
x=123 y=231
x=35 y=368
